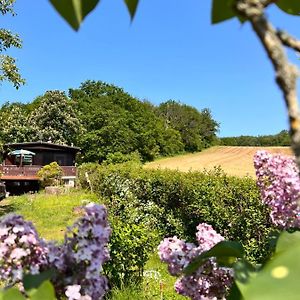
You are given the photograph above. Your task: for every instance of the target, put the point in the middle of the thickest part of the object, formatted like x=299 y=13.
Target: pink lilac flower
x=78 y=261
x=18 y=253
x=83 y=254
x=72 y=292
x=20 y=249
x=279 y=184
x=207 y=237
x=210 y=281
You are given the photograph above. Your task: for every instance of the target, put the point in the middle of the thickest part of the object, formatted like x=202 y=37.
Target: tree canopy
x=103 y=119
x=197 y=129
x=8 y=69
x=280 y=139
x=274 y=41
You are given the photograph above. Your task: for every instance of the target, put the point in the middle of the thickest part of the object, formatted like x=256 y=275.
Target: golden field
x=237 y=161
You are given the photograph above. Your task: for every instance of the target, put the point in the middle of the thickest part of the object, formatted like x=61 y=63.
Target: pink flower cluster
x=279 y=183
x=210 y=281
x=21 y=250
x=78 y=261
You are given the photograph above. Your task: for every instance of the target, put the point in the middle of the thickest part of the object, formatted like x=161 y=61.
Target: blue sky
x=170 y=51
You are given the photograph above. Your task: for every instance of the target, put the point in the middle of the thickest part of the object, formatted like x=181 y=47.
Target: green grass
x=51 y=214
x=158 y=284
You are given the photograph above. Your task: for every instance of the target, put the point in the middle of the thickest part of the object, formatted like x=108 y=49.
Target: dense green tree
x=103 y=119
x=117 y=122
x=197 y=129
x=280 y=139
x=8 y=69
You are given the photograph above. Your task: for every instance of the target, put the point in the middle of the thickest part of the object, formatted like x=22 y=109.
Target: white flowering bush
x=77 y=263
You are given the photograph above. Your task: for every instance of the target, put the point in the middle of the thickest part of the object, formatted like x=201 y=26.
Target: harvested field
x=237 y=161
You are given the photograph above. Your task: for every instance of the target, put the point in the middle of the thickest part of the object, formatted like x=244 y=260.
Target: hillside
x=237 y=161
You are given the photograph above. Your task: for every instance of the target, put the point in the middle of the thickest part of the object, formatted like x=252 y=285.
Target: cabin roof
x=41 y=146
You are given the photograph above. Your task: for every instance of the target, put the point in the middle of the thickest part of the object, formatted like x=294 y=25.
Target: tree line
x=102 y=119
x=280 y=139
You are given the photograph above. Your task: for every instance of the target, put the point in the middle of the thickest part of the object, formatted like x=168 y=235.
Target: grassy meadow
x=236 y=161
x=52 y=213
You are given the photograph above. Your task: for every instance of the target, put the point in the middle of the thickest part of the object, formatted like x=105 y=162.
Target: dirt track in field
x=237 y=161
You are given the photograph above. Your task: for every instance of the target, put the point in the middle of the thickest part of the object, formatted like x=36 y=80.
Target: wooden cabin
x=22 y=161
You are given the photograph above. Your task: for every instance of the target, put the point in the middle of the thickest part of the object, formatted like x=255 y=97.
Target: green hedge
x=174 y=203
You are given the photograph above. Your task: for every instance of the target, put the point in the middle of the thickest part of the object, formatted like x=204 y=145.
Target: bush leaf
x=131 y=6
x=44 y=292
x=222 y=10
x=235 y=293
x=223 y=251
x=279 y=279
x=291 y=7
x=74 y=11
x=12 y=293
x=34 y=281
x=287 y=240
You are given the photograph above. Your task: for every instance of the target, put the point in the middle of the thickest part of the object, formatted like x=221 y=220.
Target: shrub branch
x=288 y=40
x=286 y=73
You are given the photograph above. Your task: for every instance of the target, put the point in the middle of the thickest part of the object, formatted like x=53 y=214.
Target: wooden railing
x=31 y=171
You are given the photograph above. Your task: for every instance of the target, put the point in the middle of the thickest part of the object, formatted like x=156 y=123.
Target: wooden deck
x=11 y=172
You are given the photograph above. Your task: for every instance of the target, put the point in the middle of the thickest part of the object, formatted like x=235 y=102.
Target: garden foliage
x=50 y=174
x=210 y=280
x=276 y=277
x=74 y=267
x=174 y=203
x=130 y=245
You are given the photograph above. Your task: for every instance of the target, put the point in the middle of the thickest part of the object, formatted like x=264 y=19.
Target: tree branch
x=286 y=73
x=288 y=40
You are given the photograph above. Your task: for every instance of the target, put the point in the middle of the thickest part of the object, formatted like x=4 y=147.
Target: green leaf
x=291 y=7
x=13 y=294
x=278 y=280
x=223 y=251
x=273 y=239
x=243 y=271
x=44 y=292
x=222 y=10
x=287 y=240
x=131 y=6
x=235 y=293
x=34 y=281
x=74 y=11
x=241 y=19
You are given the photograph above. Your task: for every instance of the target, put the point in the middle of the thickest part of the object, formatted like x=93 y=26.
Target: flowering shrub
x=79 y=259
x=279 y=183
x=210 y=281
x=201 y=276
x=77 y=262
x=130 y=245
x=21 y=250
x=174 y=203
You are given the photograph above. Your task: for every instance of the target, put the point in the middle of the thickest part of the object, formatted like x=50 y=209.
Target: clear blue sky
x=170 y=51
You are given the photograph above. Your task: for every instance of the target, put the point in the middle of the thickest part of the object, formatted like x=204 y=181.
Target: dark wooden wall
x=45 y=157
